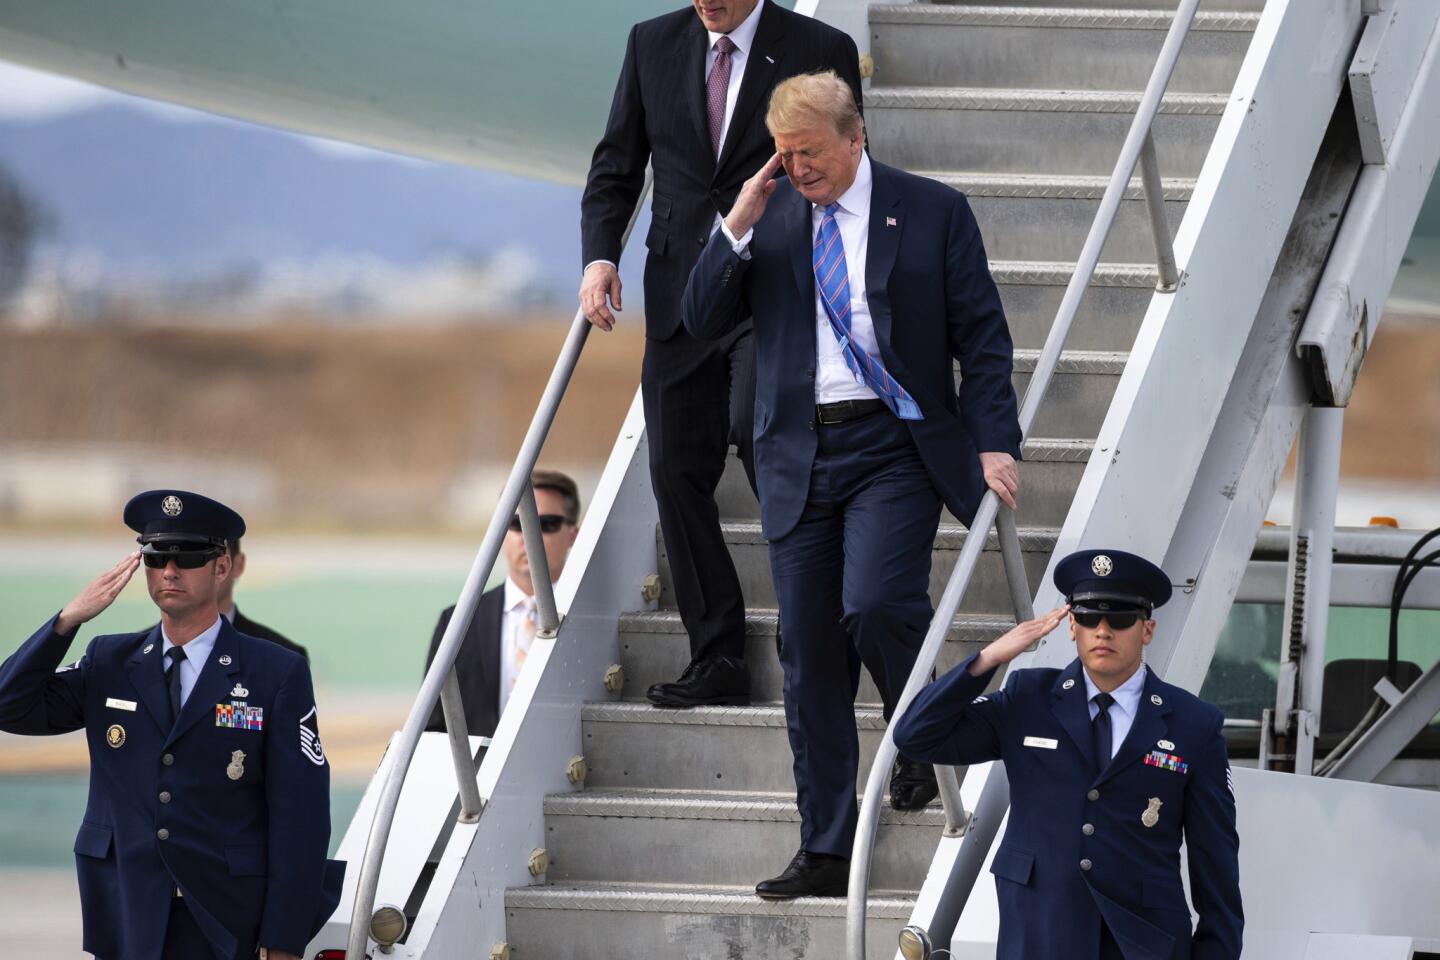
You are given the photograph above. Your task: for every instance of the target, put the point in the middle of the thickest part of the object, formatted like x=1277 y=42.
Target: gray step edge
x=1044 y=101
x=1075 y=18
x=765 y=622
x=763 y=715
x=1053 y=186
x=1104 y=362
x=1049 y=273
x=708 y=805
x=657 y=898
x=951 y=536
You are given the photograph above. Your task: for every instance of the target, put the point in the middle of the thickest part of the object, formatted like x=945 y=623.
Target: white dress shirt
x=197 y=651
x=512 y=635
x=1122 y=711
x=743 y=37
x=833 y=379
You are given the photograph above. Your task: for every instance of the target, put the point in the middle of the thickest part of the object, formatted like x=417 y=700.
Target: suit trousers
x=699 y=398
x=184 y=941
x=851 y=579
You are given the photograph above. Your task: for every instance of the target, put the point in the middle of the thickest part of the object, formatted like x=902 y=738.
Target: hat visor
x=1097 y=601
x=172 y=544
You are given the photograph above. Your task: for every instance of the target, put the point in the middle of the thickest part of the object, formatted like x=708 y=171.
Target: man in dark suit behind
x=228 y=609
x=865 y=284
x=494 y=649
x=690 y=101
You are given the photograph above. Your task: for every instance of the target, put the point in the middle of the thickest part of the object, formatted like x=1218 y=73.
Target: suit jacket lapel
x=1069 y=704
x=692 y=69
x=1149 y=726
x=886 y=226
x=147 y=676
x=488 y=639
x=214 y=684
x=797 y=227
x=761 y=61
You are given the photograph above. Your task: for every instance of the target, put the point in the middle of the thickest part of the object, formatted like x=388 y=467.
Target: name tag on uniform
x=120 y=704
x=1044 y=743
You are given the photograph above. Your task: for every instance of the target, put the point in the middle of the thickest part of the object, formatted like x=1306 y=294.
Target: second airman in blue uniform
x=1110 y=768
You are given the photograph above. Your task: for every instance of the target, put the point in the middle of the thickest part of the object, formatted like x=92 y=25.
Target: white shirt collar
x=856 y=200
x=1127 y=695
x=197 y=651
x=515 y=597
x=742 y=36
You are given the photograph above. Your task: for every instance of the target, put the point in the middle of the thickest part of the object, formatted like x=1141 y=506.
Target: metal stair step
x=1168 y=6
x=596 y=921
x=988 y=591
x=654 y=648
x=1072 y=49
x=1049 y=475
x=1049 y=217
x=676 y=836
x=634 y=745
x=1110 y=312
x=1032 y=131
x=1080 y=391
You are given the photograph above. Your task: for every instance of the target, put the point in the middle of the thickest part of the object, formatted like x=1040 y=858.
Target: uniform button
x=1093 y=795
x=164 y=796
x=1088 y=829
x=811 y=374
x=1086 y=865
x=811 y=424
x=700 y=240
x=168 y=759
x=164 y=834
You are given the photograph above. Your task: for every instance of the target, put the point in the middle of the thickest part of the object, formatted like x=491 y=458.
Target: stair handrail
x=1139 y=148
x=441 y=683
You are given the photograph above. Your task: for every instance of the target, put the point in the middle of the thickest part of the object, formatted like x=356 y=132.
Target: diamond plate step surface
x=1110 y=312
x=1067 y=49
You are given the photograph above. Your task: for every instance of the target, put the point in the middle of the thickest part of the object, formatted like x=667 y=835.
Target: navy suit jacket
x=932 y=302
x=246 y=837
x=1051 y=908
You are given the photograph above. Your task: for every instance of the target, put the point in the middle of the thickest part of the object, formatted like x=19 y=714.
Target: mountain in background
x=140 y=199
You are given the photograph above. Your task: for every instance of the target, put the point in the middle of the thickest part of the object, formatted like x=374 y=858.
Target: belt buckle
x=825 y=411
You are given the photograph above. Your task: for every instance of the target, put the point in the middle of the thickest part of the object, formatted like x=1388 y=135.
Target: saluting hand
x=750 y=204
x=601 y=280
x=1016 y=641
x=101 y=592
x=1001 y=475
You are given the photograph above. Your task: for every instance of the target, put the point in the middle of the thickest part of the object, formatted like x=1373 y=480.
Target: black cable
x=1404 y=576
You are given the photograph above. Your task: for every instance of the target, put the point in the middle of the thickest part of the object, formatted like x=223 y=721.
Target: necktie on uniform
x=833 y=276
x=1101 y=732
x=717 y=88
x=524 y=636
x=176 y=656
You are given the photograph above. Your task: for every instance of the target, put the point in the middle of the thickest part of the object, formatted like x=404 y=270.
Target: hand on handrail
x=1016 y=641
x=1001 y=475
x=601 y=280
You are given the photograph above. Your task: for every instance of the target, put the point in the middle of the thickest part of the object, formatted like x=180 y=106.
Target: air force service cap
x=1098 y=581
x=176 y=521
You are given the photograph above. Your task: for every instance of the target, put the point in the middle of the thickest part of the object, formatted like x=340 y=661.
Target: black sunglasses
x=549 y=523
x=1118 y=620
x=185 y=561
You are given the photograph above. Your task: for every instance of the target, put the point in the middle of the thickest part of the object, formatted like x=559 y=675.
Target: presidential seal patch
x=115 y=736
x=310 y=746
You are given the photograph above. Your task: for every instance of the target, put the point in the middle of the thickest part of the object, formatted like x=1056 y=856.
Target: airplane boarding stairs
x=1164 y=431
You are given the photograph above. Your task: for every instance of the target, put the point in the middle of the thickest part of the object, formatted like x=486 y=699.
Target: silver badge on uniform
x=172 y=506
x=1165 y=745
x=1155 y=699
x=1101 y=565
x=148 y=648
x=239 y=691
x=1067 y=684
x=225 y=660
x=1151 y=816
x=236 y=770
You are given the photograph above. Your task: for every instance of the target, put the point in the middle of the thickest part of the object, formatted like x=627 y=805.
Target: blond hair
x=810 y=100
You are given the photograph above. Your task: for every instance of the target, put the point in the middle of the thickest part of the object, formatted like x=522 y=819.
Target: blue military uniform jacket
x=1080 y=847
x=230 y=805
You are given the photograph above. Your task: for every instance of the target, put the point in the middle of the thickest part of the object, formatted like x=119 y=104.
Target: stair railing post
x=540 y=582
x=453 y=708
x=1154 y=189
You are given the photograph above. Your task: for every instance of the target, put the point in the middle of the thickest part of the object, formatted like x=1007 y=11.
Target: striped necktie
x=833 y=276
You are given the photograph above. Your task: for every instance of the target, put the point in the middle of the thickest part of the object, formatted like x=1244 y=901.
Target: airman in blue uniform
x=208 y=818
x=1109 y=768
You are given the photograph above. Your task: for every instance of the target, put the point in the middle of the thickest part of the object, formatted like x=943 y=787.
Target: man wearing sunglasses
x=498 y=641
x=1109 y=767
x=209 y=811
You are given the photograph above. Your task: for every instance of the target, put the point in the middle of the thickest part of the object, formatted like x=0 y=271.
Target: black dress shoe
x=715 y=681
x=912 y=785
x=809 y=875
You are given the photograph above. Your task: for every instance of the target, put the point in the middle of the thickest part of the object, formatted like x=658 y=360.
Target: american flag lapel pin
x=890 y=221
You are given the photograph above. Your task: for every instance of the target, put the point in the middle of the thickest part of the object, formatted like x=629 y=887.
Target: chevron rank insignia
x=310 y=739
x=239 y=715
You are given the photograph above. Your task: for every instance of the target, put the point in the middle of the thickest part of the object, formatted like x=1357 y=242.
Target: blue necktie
x=833 y=276
x=1102 y=731
x=176 y=656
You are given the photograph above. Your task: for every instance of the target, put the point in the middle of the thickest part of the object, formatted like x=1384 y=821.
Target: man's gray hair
x=810 y=100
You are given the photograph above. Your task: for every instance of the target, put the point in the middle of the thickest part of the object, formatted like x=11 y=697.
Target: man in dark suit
x=208 y=817
x=689 y=102
x=495 y=647
x=231 y=612
x=865 y=284
x=1108 y=767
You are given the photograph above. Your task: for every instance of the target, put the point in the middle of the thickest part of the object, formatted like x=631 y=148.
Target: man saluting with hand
x=1109 y=768
x=208 y=819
